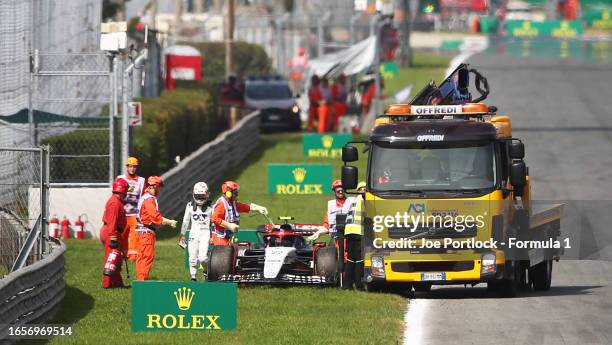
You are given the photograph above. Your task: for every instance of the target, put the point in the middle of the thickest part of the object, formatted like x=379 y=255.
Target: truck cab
x=448 y=202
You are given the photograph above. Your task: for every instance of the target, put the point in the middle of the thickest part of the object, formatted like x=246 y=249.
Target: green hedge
x=175 y=123
x=84 y=140
x=249 y=59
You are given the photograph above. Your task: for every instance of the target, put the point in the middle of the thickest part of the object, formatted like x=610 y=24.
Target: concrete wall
x=73 y=202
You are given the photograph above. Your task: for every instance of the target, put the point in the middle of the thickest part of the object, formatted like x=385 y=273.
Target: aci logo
x=175 y=306
x=416 y=208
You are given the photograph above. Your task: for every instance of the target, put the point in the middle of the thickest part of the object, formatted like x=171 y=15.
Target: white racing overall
x=197 y=220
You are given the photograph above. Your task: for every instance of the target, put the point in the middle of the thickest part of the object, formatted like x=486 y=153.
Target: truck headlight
x=488 y=263
x=378 y=266
x=295 y=109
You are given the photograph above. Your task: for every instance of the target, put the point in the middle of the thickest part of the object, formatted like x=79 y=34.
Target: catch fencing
x=209 y=163
x=71 y=101
x=58 y=89
x=24 y=182
x=31 y=267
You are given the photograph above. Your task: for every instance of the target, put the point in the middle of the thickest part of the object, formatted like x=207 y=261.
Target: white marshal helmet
x=200 y=193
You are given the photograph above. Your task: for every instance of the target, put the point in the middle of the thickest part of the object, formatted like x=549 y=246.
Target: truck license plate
x=426 y=276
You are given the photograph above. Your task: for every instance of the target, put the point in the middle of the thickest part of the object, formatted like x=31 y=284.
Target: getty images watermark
x=409 y=231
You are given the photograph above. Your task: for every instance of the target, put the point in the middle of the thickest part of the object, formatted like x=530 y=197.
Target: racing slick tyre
x=221 y=262
x=540 y=275
x=327 y=263
x=422 y=287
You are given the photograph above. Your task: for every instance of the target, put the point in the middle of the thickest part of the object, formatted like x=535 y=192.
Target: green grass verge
x=425 y=67
x=294 y=315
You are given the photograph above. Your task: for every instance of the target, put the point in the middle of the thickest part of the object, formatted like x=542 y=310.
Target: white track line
x=415 y=313
x=413 y=334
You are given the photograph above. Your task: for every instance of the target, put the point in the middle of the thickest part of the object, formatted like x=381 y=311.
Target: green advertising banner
x=324 y=145
x=183 y=306
x=299 y=178
x=547 y=28
x=389 y=70
x=599 y=18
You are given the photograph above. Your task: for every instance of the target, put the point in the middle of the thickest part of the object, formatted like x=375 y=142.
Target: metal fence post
x=375 y=23
x=44 y=233
x=112 y=116
x=354 y=19
x=280 y=43
x=319 y=37
x=125 y=126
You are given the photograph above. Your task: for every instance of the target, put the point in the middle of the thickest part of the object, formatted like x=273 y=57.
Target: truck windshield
x=449 y=167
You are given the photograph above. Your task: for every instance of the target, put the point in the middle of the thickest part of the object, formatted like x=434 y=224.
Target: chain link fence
x=23 y=200
x=56 y=86
x=72 y=98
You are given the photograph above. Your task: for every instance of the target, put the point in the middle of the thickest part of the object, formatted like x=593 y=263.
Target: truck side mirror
x=516 y=150
x=349 y=154
x=518 y=175
x=349 y=177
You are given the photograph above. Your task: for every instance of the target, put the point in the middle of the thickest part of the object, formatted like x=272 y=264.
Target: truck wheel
x=540 y=275
x=221 y=262
x=510 y=287
x=422 y=287
x=327 y=263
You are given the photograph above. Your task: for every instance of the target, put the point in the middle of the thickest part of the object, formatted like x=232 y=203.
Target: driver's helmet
x=200 y=193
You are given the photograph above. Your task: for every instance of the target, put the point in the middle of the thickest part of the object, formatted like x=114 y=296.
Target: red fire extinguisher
x=54 y=226
x=65 y=225
x=112 y=262
x=79 y=234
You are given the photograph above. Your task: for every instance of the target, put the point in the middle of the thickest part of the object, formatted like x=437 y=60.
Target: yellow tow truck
x=448 y=196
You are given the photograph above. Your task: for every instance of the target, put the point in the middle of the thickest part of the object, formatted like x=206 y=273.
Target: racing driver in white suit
x=197 y=220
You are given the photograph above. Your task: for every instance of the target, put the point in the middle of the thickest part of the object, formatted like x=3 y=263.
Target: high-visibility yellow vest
x=354 y=220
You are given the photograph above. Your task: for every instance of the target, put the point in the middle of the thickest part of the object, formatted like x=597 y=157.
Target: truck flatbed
x=542 y=214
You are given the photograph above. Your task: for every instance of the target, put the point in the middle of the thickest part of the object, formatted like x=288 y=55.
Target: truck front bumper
x=438 y=272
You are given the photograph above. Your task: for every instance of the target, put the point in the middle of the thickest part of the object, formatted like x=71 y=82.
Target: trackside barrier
x=33 y=293
x=210 y=163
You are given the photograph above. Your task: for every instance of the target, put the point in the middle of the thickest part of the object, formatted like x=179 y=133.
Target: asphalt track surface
x=562 y=110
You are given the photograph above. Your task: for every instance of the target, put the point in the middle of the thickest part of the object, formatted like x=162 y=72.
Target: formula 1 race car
x=275 y=254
